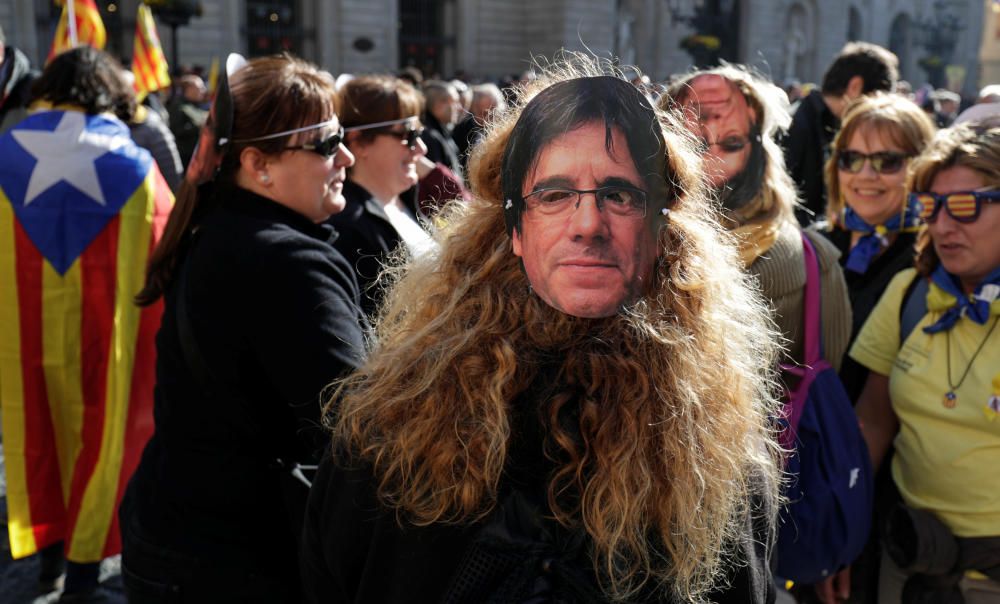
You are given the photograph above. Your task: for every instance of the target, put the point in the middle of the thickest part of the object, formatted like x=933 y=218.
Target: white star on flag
x=67 y=153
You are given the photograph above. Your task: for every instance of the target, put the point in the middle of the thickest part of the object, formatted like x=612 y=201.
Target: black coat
x=365 y=239
x=864 y=291
x=273 y=311
x=441 y=148
x=354 y=551
x=807 y=147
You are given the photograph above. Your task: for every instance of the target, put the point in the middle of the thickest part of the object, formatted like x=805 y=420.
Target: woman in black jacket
x=867 y=216
x=381 y=117
x=260 y=315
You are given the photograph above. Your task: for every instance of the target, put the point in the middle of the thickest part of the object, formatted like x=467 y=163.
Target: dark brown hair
x=270 y=94
x=87 y=78
x=377 y=98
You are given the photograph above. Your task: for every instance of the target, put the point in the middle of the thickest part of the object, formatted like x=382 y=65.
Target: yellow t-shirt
x=947 y=460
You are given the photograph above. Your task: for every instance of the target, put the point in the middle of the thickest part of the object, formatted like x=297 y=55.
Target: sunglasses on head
x=962 y=206
x=408 y=137
x=883 y=162
x=327 y=147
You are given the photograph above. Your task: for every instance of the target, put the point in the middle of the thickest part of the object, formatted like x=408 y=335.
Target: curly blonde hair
x=673 y=394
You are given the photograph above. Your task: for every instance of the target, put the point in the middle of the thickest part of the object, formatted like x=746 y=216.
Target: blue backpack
x=825 y=523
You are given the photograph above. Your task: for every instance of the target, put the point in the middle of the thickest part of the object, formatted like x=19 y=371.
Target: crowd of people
x=421 y=341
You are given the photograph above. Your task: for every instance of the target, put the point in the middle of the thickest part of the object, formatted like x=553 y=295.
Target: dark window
x=421 y=35
x=273 y=27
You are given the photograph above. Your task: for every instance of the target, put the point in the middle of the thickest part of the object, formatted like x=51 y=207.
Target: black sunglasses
x=408 y=137
x=962 y=206
x=327 y=147
x=730 y=144
x=883 y=162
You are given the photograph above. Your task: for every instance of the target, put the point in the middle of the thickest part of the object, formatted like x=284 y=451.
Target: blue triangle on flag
x=62 y=221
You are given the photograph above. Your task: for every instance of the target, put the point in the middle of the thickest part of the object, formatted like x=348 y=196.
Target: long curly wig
x=672 y=395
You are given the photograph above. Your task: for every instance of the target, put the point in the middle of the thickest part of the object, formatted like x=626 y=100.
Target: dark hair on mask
x=87 y=78
x=568 y=105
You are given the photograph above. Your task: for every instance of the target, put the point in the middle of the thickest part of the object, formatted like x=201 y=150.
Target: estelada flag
x=81 y=207
x=148 y=63
x=89 y=27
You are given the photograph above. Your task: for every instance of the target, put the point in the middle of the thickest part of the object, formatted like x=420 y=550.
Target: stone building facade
x=490 y=38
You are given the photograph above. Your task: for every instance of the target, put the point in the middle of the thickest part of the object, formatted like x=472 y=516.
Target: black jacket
x=365 y=239
x=273 y=311
x=354 y=551
x=864 y=292
x=807 y=147
x=16 y=77
x=440 y=146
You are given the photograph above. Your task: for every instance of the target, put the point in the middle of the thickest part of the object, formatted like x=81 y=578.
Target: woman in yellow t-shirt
x=936 y=395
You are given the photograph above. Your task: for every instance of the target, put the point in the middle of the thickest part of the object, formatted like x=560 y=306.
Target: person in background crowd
x=442 y=110
x=570 y=401
x=868 y=216
x=16 y=76
x=150 y=132
x=186 y=108
x=947 y=105
x=793 y=88
x=486 y=99
x=80 y=206
x=412 y=75
x=933 y=394
x=870 y=221
x=860 y=68
x=464 y=96
x=737 y=116
x=260 y=315
x=382 y=117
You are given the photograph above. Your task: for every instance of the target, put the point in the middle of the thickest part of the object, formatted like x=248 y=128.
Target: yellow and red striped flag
x=81 y=208
x=148 y=62
x=87 y=27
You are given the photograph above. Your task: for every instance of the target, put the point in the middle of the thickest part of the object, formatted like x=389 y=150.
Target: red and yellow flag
x=81 y=208
x=148 y=62
x=86 y=27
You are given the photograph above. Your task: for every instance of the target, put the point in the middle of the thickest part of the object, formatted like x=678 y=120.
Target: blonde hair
x=777 y=198
x=673 y=394
x=895 y=118
x=975 y=146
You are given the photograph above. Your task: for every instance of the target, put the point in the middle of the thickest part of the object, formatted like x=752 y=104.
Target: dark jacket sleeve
x=356 y=551
x=310 y=288
x=749 y=579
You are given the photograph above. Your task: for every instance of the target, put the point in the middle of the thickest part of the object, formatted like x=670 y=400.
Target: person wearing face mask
x=569 y=402
x=736 y=115
x=933 y=391
x=381 y=118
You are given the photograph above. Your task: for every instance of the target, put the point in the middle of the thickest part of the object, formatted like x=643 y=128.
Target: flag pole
x=71 y=22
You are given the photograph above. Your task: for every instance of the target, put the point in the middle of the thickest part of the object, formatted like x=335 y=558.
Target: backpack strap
x=812 y=342
x=913 y=307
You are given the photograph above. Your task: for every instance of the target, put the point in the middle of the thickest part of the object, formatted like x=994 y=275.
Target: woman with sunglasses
x=381 y=117
x=932 y=345
x=873 y=226
x=260 y=315
x=867 y=215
